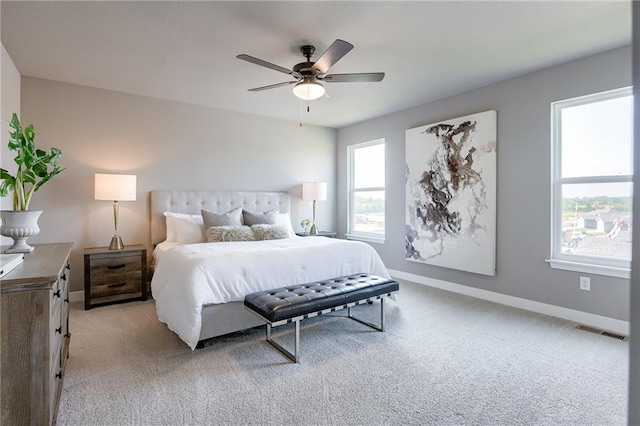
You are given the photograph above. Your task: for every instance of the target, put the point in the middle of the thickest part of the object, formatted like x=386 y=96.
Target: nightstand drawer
x=114 y=278
x=114 y=265
x=119 y=284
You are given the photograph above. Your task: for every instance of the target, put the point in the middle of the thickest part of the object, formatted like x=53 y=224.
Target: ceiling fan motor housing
x=304 y=68
x=307 y=51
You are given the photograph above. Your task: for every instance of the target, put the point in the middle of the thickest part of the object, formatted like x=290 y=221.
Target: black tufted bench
x=297 y=302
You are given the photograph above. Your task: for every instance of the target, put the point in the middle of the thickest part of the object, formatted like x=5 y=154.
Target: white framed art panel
x=451 y=193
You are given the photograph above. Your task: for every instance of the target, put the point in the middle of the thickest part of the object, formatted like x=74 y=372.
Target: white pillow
x=189 y=230
x=171 y=224
x=283 y=219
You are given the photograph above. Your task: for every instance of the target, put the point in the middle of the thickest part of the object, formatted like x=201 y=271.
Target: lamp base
x=116 y=243
x=314 y=230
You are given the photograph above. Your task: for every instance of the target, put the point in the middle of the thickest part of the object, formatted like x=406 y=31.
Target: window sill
x=589 y=268
x=365 y=238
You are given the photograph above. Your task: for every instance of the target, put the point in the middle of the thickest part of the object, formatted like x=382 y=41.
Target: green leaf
x=35 y=166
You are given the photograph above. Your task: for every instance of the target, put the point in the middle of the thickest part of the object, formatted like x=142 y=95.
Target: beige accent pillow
x=270 y=232
x=217 y=234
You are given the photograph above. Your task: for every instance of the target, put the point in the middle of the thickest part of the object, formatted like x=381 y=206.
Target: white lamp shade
x=308 y=90
x=115 y=187
x=314 y=191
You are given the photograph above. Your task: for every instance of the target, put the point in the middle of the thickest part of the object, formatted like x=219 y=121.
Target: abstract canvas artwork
x=451 y=193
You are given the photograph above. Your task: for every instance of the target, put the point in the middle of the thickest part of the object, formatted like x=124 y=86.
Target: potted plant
x=306 y=224
x=35 y=168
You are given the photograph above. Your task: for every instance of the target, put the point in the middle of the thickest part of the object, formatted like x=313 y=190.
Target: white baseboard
x=76 y=296
x=598 y=321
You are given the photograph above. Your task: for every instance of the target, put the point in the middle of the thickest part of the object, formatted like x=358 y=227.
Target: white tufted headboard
x=191 y=202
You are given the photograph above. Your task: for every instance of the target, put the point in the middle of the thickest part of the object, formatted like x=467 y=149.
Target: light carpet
x=445 y=359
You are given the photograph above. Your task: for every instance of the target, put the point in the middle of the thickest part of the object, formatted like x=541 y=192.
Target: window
x=592 y=139
x=366 y=191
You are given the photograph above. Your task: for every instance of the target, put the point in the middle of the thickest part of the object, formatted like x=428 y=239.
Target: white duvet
x=187 y=277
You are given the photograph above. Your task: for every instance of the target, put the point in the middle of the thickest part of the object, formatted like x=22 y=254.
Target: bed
x=199 y=287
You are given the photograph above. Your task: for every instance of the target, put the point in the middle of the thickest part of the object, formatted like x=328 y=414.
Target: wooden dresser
x=35 y=335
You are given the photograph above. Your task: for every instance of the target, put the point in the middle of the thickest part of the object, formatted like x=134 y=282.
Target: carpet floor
x=445 y=359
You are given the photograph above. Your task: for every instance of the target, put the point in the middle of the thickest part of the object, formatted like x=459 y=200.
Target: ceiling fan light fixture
x=308 y=90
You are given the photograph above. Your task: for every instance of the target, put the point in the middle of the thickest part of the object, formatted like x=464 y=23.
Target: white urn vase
x=19 y=225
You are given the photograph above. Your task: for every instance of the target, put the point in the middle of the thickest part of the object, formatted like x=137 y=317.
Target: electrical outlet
x=585 y=283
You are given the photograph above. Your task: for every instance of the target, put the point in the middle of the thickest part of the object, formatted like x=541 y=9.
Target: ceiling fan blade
x=333 y=54
x=264 y=63
x=363 y=77
x=272 y=86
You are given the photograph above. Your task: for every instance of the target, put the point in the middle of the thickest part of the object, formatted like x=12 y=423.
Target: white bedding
x=161 y=249
x=190 y=276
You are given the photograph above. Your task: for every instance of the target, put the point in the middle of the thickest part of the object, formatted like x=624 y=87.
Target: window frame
x=570 y=261
x=372 y=237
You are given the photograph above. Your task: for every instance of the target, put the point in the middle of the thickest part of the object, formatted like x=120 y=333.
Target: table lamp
x=116 y=188
x=315 y=191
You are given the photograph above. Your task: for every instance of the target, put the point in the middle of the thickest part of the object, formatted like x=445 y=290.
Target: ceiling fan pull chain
x=300 y=111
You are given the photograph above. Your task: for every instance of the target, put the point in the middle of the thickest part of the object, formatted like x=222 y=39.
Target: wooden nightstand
x=114 y=276
x=319 y=234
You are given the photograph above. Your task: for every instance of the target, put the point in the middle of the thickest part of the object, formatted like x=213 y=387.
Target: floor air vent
x=604 y=333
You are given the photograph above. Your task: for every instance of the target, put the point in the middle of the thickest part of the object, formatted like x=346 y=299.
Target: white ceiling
x=186 y=51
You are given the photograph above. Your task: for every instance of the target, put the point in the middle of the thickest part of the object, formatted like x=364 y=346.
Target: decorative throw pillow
x=270 y=232
x=283 y=219
x=217 y=234
x=230 y=218
x=264 y=218
x=188 y=231
x=171 y=223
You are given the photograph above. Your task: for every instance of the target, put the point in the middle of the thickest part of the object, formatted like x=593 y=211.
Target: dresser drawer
x=55 y=383
x=56 y=299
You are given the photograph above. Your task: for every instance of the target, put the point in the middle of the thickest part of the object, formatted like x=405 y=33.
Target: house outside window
x=366 y=204
x=592 y=168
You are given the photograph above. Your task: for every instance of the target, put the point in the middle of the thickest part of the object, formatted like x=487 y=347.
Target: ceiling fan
x=309 y=76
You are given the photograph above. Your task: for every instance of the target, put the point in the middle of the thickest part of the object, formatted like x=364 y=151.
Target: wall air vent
x=602 y=332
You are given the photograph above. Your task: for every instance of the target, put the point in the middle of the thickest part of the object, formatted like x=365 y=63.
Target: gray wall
x=523 y=185
x=10 y=89
x=168 y=145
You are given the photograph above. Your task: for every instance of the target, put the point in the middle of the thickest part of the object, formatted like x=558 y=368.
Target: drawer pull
x=118 y=266
x=56 y=293
x=116 y=285
x=68 y=266
x=59 y=375
x=59 y=330
x=66 y=300
x=63 y=277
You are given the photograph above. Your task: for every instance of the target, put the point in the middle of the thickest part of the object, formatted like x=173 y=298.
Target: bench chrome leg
x=374 y=326
x=293 y=357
